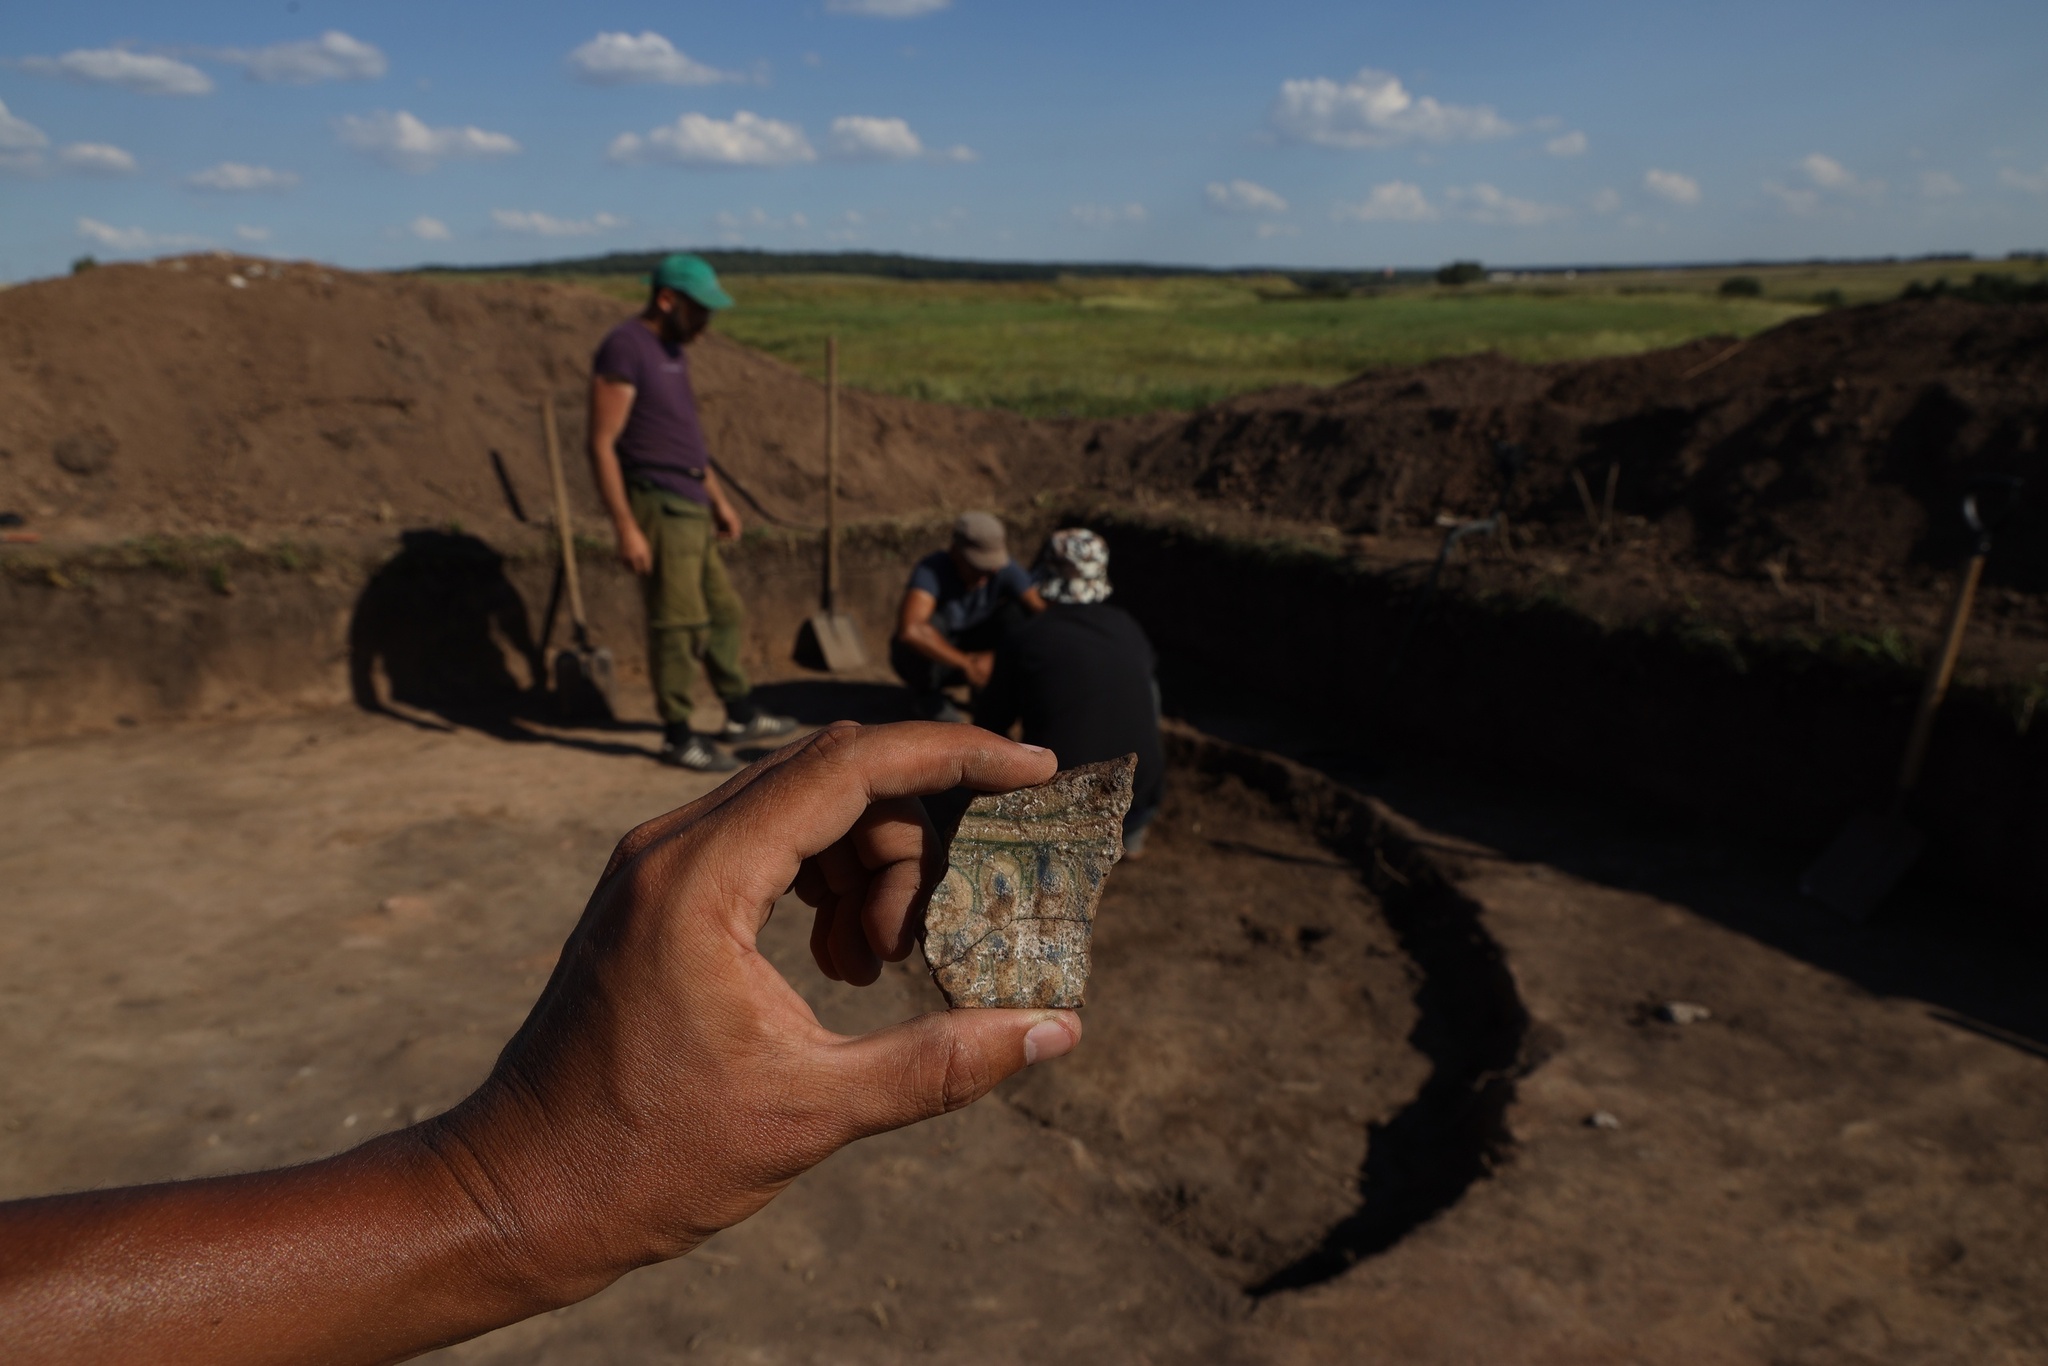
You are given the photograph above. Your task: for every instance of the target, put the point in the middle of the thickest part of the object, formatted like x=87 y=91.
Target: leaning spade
x=583 y=673
x=1876 y=848
x=829 y=631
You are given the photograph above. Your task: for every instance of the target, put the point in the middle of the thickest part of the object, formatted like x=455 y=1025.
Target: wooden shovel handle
x=831 y=473
x=1938 y=679
x=564 y=533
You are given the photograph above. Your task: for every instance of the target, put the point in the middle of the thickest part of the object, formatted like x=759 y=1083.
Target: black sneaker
x=696 y=755
x=762 y=725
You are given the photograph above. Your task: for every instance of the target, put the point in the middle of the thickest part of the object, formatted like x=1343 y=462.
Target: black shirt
x=1080 y=679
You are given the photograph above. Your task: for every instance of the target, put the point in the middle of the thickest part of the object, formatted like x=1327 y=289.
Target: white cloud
x=1108 y=215
x=1243 y=196
x=699 y=140
x=1672 y=186
x=857 y=137
x=1397 y=201
x=100 y=158
x=333 y=56
x=139 y=71
x=239 y=176
x=1797 y=199
x=1487 y=204
x=406 y=142
x=887 y=9
x=1567 y=145
x=2030 y=181
x=622 y=59
x=1604 y=201
x=132 y=239
x=429 y=229
x=1828 y=174
x=735 y=228
x=252 y=234
x=1939 y=185
x=18 y=134
x=546 y=225
x=1374 y=109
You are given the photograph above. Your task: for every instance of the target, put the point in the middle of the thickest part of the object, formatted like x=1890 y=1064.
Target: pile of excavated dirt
x=1831 y=450
x=219 y=394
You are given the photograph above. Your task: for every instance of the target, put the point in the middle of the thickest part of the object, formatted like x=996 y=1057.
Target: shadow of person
x=442 y=624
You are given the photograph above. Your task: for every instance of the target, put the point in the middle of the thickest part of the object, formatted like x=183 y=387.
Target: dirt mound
x=213 y=393
x=1833 y=447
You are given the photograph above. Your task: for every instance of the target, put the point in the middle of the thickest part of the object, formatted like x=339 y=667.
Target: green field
x=1105 y=347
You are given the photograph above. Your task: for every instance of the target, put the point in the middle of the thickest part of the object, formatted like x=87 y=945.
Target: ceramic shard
x=1010 y=923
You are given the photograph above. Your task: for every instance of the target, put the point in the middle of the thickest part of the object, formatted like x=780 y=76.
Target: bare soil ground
x=1806 y=481
x=240 y=945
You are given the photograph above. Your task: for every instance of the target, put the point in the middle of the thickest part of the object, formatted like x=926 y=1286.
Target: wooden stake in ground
x=833 y=631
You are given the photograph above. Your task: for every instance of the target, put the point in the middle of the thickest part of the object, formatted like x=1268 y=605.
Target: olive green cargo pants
x=692 y=612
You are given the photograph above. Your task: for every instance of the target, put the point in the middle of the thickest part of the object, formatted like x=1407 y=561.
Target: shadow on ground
x=439 y=622
x=1924 y=944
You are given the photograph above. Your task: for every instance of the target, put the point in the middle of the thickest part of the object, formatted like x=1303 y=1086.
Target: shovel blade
x=1862 y=866
x=838 y=641
x=583 y=686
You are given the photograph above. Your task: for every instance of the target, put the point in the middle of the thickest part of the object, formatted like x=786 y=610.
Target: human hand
x=979 y=667
x=670 y=1082
x=728 y=520
x=634 y=551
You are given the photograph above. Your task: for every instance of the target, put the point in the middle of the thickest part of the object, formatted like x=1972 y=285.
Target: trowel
x=1875 y=849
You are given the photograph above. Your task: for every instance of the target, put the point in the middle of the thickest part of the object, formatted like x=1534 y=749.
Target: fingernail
x=1035 y=749
x=1047 y=1039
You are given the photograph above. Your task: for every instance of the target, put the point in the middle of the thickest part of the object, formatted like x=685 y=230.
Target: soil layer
x=320 y=928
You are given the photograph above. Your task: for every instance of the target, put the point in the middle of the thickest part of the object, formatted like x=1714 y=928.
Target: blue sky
x=1291 y=132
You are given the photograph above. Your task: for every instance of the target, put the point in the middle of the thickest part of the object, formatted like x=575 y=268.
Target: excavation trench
x=1375 y=1032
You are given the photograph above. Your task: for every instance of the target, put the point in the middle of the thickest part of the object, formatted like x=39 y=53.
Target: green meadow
x=1104 y=347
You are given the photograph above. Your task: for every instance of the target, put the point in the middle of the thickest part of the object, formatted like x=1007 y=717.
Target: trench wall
x=94 y=640
x=1769 y=738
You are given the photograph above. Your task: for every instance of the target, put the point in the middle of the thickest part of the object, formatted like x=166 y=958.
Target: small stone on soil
x=1683 y=1013
x=1601 y=1119
x=1010 y=924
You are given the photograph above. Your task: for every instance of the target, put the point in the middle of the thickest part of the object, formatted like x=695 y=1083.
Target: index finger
x=804 y=805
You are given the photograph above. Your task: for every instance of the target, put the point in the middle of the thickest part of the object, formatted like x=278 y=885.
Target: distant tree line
x=1984 y=288
x=898 y=266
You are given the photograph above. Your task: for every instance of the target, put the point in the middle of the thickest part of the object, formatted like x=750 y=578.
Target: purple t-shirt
x=663 y=443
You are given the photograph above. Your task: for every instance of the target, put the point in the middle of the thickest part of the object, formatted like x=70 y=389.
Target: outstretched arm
x=668 y=1083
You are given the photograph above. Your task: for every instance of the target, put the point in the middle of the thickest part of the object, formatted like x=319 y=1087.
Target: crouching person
x=1080 y=677
x=961 y=601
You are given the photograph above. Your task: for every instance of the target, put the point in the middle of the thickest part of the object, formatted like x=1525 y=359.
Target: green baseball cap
x=691 y=275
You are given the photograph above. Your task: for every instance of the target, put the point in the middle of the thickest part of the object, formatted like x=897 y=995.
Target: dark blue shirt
x=962 y=608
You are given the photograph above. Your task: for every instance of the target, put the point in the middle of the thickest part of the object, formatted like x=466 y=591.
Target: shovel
x=583 y=673
x=837 y=638
x=1875 y=849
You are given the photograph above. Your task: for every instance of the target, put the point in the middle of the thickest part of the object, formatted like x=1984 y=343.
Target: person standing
x=959 y=603
x=1080 y=677
x=653 y=470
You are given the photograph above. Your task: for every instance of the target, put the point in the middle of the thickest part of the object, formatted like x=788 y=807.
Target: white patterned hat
x=1074 y=567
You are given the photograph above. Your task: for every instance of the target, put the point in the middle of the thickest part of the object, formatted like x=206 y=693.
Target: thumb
x=939 y=1062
